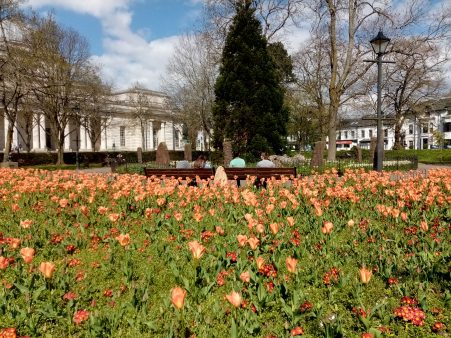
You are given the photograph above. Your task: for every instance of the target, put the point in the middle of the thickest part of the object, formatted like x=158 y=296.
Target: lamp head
x=379 y=43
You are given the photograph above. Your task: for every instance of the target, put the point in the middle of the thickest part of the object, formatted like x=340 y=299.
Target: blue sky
x=130 y=39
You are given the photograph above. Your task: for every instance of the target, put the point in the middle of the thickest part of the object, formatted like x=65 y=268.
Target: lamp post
x=379 y=44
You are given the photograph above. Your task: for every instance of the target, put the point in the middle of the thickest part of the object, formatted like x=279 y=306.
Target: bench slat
x=242 y=173
x=183 y=173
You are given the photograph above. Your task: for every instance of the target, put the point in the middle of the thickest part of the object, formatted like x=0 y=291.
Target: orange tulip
x=123 y=239
x=260 y=262
x=253 y=242
x=242 y=239
x=291 y=264
x=245 y=277
x=234 y=298
x=14 y=243
x=260 y=228
x=219 y=230
x=290 y=221
x=47 y=269
x=424 y=226
x=4 y=262
x=365 y=275
x=197 y=249
x=274 y=228
x=27 y=254
x=26 y=223
x=114 y=217
x=178 y=297
x=327 y=227
x=351 y=223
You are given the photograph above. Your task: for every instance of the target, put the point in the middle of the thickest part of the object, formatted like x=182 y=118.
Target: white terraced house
x=418 y=131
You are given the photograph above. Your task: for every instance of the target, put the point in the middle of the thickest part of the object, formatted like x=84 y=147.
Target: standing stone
x=228 y=155
x=220 y=176
x=188 y=153
x=162 y=156
x=373 y=143
x=318 y=154
x=139 y=154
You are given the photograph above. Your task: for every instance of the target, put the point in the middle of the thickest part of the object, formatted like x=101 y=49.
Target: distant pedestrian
x=265 y=162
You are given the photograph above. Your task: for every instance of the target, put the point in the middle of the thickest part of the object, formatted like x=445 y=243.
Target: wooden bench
x=239 y=174
x=190 y=173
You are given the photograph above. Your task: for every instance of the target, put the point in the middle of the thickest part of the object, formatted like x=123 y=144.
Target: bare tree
x=59 y=63
x=140 y=110
x=416 y=78
x=93 y=96
x=191 y=74
x=311 y=69
x=12 y=88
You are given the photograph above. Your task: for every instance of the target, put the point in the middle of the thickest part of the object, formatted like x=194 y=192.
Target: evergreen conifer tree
x=249 y=106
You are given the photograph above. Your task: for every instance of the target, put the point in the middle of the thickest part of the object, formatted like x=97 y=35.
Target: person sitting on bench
x=237 y=162
x=265 y=162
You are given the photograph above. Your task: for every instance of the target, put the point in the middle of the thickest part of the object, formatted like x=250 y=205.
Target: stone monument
x=358 y=154
x=139 y=155
x=318 y=154
x=188 y=153
x=373 y=143
x=162 y=156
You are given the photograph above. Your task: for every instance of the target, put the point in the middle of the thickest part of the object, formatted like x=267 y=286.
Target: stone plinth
x=9 y=165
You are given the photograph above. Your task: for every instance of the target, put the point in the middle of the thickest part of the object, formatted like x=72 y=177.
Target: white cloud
x=128 y=56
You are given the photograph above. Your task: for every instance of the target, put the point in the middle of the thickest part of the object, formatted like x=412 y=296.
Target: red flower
x=80 y=316
x=438 y=326
x=70 y=295
x=297 y=331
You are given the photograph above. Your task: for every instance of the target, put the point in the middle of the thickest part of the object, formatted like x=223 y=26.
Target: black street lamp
x=379 y=44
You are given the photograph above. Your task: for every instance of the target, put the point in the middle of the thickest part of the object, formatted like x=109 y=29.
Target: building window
x=447 y=127
x=385 y=132
x=371 y=133
x=410 y=144
x=362 y=133
x=431 y=127
x=122 y=136
x=424 y=129
x=346 y=135
x=425 y=143
x=410 y=129
x=353 y=134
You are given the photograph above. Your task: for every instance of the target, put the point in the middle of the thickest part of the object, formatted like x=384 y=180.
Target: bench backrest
x=182 y=173
x=242 y=173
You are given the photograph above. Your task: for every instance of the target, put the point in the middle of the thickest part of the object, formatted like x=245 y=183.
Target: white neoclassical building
x=134 y=118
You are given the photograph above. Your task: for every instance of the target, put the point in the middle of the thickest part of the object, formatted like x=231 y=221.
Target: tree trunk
x=143 y=135
x=9 y=141
x=332 y=132
x=60 y=158
x=398 y=137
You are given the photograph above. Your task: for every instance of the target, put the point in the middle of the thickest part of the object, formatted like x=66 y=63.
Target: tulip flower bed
x=88 y=255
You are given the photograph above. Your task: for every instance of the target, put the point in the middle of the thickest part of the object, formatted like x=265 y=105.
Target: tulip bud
x=234 y=298
x=47 y=269
x=178 y=297
x=365 y=275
